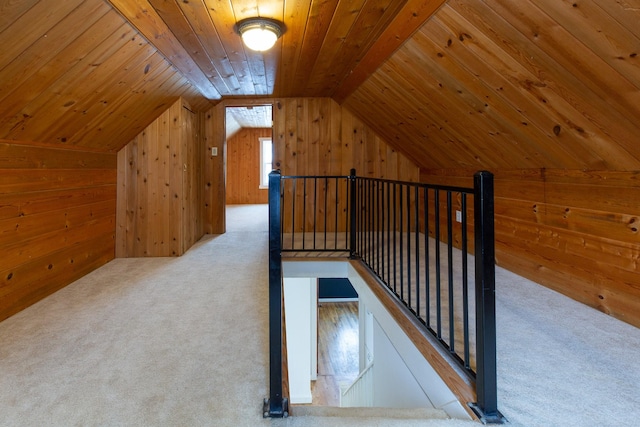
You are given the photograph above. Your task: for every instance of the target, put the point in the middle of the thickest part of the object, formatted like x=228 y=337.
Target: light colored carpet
x=183 y=341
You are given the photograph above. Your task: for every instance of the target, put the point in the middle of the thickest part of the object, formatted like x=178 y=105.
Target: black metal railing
x=315 y=214
x=411 y=236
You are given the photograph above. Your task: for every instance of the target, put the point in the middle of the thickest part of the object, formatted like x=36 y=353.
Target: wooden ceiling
x=250 y=117
x=458 y=83
x=513 y=84
x=322 y=43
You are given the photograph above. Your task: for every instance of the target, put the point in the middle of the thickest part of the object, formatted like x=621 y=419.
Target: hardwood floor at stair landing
x=337 y=351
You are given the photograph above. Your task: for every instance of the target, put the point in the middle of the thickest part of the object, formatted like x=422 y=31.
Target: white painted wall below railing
x=407 y=380
x=360 y=392
x=301 y=320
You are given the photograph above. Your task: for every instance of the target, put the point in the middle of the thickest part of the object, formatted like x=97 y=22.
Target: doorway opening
x=248 y=153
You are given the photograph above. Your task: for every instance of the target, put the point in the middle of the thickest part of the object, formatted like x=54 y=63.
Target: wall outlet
x=458 y=216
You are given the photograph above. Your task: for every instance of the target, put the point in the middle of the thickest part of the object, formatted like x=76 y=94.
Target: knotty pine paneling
x=77 y=73
x=215 y=169
x=483 y=84
x=316 y=136
x=160 y=187
x=573 y=231
x=57 y=219
x=243 y=168
x=311 y=136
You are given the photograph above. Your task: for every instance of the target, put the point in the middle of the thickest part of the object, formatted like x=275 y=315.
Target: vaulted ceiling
x=456 y=83
x=323 y=40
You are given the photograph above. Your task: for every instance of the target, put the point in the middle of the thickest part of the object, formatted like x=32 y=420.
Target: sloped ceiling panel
x=76 y=73
x=513 y=84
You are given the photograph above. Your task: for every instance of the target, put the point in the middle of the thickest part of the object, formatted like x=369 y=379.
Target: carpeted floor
x=183 y=342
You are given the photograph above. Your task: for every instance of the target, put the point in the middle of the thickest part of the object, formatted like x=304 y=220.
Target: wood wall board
x=600 y=73
x=57 y=210
x=19 y=252
x=579 y=92
x=158 y=197
x=215 y=169
x=243 y=167
x=573 y=231
x=412 y=15
x=27 y=227
x=15 y=205
x=58 y=46
x=625 y=13
x=75 y=83
x=10 y=9
x=23 y=278
x=88 y=123
x=18 y=180
x=68 y=66
x=298 y=136
x=62 y=95
x=15 y=156
x=346 y=52
x=504 y=107
x=590 y=286
x=192 y=39
x=615 y=45
x=72 y=264
x=235 y=50
x=311 y=35
x=416 y=139
x=40 y=18
x=540 y=111
x=147 y=21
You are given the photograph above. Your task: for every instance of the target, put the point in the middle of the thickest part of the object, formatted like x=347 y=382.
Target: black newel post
x=275 y=406
x=486 y=383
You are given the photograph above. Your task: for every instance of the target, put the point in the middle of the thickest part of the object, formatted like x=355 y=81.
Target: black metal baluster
x=335 y=231
x=326 y=193
x=304 y=210
x=427 y=263
x=388 y=245
x=293 y=212
x=409 y=246
x=315 y=210
x=381 y=231
x=416 y=204
x=436 y=203
x=401 y=232
x=452 y=343
x=465 y=279
x=378 y=227
x=352 y=214
x=395 y=234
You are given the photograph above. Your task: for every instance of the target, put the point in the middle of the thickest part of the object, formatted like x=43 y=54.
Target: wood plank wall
x=311 y=136
x=57 y=219
x=573 y=231
x=160 y=188
x=243 y=167
x=215 y=170
x=316 y=136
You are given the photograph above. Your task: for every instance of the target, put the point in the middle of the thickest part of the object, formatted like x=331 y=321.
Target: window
x=266 y=166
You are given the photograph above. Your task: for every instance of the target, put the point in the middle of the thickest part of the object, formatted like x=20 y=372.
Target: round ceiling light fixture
x=259 y=34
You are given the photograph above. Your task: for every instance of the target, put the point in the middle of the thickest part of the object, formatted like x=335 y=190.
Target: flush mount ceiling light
x=259 y=34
